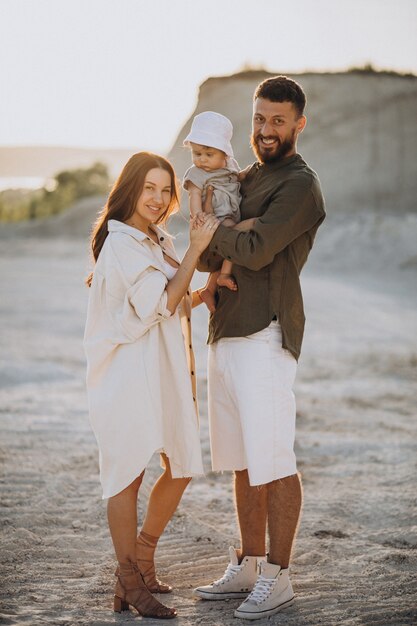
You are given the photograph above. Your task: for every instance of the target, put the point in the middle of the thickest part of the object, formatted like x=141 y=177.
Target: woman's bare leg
x=163 y=501
x=130 y=588
x=123 y=521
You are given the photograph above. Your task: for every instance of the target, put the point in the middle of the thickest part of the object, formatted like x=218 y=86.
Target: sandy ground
x=355 y=558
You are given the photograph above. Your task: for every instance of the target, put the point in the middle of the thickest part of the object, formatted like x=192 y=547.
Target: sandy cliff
x=361 y=138
x=361 y=135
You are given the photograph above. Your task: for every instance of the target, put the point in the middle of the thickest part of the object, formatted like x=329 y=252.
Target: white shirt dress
x=140 y=365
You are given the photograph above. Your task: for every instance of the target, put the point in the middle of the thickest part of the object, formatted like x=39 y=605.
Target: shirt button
x=193 y=398
x=230 y=258
x=188 y=319
x=215 y=247
x=190 y=346
x=161 y=238
x=192 y=373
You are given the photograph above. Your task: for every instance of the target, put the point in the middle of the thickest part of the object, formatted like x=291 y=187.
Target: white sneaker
x=236 y=582
x=272 y=593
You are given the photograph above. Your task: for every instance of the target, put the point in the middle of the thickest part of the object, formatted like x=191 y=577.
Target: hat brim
x=210 y=140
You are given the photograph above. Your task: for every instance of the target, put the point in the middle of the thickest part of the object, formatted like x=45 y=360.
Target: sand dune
x=355 y=557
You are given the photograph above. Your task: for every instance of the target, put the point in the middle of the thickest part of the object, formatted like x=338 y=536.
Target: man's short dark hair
x=282 y=89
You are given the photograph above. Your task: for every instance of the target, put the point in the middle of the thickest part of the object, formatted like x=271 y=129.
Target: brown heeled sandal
x=145 y=550
x=131 y=591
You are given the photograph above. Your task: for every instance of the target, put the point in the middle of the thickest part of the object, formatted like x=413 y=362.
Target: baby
x=213 y=165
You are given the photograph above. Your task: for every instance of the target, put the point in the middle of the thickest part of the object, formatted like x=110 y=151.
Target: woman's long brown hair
x=124 y=195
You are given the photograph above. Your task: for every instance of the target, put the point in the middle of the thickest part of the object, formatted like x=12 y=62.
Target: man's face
x=275 y=128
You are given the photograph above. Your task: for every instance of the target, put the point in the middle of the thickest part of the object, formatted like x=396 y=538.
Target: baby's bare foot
x=227 y=280
x=208 y=299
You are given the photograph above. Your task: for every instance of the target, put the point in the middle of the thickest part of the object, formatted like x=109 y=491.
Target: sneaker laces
x=261 y=590
x=229 y=574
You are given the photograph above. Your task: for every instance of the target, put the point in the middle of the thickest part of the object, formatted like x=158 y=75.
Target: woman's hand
x=198 y=219
x=201 y=233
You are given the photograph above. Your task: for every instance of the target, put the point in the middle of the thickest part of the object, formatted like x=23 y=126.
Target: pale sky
x=125 y=73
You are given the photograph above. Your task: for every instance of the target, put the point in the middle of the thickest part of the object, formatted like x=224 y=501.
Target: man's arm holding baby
x=211 y=261
x=245 y=225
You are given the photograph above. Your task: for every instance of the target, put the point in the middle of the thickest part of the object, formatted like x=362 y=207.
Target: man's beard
x=278 y=153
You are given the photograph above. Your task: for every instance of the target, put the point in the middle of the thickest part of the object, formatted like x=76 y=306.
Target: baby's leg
x=225 y=278
x=208 y=294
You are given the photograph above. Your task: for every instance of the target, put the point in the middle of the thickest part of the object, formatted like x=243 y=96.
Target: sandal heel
x=120 y=605
x=131 y=591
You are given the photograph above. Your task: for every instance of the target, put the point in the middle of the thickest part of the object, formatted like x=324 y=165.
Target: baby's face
x=206 y=158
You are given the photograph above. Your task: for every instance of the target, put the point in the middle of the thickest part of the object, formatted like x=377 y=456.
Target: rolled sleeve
x=137 y=297
x=148 y=297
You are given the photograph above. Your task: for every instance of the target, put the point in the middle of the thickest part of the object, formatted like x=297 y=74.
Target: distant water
x=22 y=182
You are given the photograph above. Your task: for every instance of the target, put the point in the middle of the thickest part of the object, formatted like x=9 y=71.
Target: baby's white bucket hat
x=213 y=130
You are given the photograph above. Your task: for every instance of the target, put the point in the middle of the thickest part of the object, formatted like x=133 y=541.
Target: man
x=255 y=338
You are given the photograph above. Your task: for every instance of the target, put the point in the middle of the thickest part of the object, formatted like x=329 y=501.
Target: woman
x=140 y=376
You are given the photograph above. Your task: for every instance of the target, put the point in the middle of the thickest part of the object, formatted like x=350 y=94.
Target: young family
x=252 y=231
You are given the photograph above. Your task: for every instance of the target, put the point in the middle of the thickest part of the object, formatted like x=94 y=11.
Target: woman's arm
x=200 y=237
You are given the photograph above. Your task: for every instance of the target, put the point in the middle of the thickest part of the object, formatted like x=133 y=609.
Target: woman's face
x=154 y=199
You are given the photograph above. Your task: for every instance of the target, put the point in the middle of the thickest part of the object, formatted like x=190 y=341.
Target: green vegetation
x=66 y=188
x=369 y=69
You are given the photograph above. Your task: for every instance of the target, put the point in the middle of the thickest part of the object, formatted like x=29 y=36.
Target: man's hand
x=245 y=225
x=243 y=173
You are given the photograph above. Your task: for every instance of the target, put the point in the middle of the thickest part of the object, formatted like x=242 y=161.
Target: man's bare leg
x=273 y=590
x=284 y=507
x=251 y=505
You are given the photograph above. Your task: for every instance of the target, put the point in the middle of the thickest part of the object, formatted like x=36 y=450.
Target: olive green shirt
x=286 y=198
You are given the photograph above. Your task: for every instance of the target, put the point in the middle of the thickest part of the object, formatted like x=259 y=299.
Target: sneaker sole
x=261 y=614
x=207 y=595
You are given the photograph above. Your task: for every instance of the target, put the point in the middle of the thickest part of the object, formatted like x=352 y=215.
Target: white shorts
x=252 y=405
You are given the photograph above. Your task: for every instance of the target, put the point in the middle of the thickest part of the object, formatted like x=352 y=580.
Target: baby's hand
x=198 y=219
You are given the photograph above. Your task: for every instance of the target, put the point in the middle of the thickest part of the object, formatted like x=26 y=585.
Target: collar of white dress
x=121 y=227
